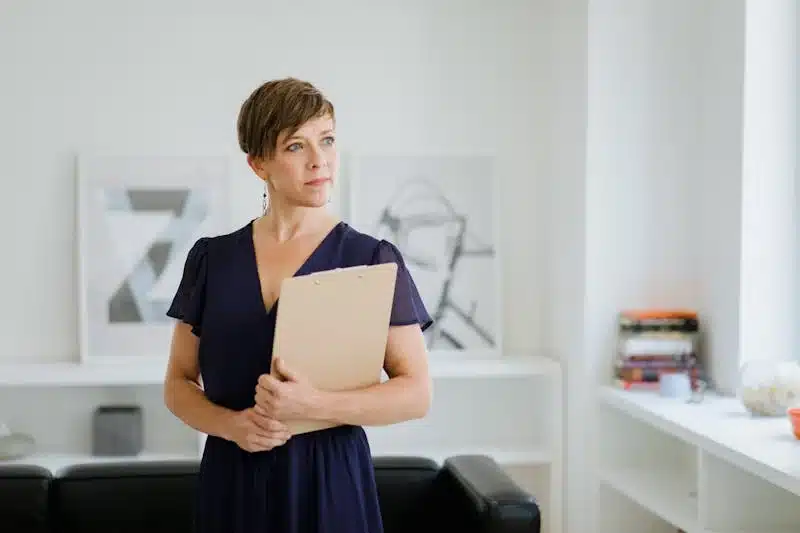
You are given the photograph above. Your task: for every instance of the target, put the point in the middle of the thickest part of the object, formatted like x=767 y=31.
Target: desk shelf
x=702 y=468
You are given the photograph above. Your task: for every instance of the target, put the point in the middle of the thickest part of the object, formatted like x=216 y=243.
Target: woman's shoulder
x=363 y=247
x=357 y=236
x=207 y=247
x=221 y=241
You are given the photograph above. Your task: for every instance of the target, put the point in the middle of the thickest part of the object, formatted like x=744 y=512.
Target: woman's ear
x=255 y=164
x=259 y=166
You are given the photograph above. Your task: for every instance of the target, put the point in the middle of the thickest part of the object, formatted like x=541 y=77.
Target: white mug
x=675 y=385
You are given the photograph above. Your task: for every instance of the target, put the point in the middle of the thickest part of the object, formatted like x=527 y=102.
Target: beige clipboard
x=332 y=327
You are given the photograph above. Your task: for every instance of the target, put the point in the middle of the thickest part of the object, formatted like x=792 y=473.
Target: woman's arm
x=185 y=398
x=183 y=394
x=406 y=395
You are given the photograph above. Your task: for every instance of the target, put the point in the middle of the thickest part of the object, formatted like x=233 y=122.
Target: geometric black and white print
x=439 y=212
x=138 y=218
x=149 y=227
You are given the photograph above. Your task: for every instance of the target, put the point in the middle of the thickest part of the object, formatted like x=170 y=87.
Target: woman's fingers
x=266 y=433
x=264 y=422
x=261 y=441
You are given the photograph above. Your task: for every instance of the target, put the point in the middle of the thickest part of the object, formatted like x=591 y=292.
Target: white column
x=768 y=304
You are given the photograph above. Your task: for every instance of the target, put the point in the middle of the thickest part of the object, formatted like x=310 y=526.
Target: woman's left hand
x=287 y=396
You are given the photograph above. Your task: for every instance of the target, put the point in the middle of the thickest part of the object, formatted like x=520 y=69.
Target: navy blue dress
x=292 y=488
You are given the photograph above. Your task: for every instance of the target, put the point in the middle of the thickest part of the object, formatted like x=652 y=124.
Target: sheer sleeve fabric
x=189 y=300
x=408 y=307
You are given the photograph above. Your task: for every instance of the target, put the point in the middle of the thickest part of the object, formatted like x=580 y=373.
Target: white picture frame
x=138 y=216
x=441 y=213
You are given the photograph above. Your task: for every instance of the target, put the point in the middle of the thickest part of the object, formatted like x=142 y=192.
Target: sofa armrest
x=486 y=494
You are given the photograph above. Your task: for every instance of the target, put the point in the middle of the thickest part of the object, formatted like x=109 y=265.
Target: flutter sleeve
x=189 y=300
x=408 y=307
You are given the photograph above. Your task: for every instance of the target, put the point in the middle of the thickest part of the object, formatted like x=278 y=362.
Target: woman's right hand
x=254 y=432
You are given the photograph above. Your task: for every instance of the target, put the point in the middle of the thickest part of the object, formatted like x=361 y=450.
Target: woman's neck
x=285 y=222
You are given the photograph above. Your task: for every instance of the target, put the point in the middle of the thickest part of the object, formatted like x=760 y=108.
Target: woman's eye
x=328 y=140
x=294 y=147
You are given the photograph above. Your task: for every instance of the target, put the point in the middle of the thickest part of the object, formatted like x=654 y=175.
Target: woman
x=253 y=476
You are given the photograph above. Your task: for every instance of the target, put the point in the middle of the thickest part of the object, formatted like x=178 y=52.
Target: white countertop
x=766 y=447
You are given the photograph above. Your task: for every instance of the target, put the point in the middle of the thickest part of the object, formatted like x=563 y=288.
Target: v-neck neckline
x=269 y=310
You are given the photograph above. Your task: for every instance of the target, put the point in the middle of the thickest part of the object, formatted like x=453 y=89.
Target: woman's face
x=304 y=167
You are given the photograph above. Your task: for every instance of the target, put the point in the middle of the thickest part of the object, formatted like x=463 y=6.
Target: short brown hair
x=276 y=106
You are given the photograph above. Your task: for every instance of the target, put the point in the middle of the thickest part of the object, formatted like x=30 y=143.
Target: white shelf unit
x=509 y=408
x=151 y=372
x=665 y=464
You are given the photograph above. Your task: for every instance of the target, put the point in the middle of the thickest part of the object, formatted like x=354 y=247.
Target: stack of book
x=652 y=342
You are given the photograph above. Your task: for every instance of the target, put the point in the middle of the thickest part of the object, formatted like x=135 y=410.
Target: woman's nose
x=316 y=158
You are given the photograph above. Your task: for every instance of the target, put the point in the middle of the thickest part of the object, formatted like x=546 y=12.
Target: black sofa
x=467 y=494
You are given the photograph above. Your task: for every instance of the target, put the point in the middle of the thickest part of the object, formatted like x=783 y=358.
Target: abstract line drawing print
x=138 y=218
x=438 y=212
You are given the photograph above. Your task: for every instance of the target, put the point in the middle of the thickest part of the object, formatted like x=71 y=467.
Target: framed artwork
x=440 y=212
x=137 y=219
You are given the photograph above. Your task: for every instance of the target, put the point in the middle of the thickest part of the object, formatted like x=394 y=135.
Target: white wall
x=689 y=174
x=562 y=205
x=410 y=77
x=769 y=296
x=652 y=103
x=642 y=151
x=618 y=127
x=718 y=193
x=168 y=77
x=621 y=191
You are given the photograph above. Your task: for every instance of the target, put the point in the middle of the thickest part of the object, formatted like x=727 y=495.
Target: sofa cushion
x=468 y=494
x=24 y=499
x=98 y=497
x=126 y=498
x=405 y=489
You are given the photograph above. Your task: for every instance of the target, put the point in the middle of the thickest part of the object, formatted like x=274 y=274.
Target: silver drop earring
x=264 y=201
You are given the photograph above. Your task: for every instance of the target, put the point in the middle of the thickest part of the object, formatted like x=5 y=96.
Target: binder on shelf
x=332 y=327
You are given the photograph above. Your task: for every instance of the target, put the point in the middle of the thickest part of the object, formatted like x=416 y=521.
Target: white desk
x=704 y=468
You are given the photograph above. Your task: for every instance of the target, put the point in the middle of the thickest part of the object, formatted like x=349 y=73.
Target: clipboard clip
x=360 y=275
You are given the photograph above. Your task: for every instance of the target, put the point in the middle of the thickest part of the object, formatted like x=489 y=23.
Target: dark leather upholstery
x=125 y=498
x=468 y=494
x=24 y=499
x=486 y=498
x=405 y=488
